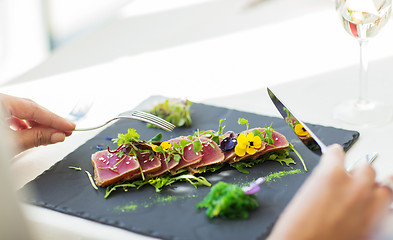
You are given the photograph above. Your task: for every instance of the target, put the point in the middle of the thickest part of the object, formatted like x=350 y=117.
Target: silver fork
x=137 y=115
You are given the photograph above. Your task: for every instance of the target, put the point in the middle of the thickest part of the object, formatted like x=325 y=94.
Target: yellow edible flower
x=300 y=130
x=154 y=147
x=166 y=145
x=247 y=144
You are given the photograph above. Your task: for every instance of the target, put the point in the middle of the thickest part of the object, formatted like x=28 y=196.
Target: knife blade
x=304 y=133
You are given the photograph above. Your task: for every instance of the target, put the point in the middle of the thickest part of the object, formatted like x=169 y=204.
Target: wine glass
x=363 y=19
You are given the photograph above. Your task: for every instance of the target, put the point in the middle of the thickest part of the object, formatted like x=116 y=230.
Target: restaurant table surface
x=223 y=53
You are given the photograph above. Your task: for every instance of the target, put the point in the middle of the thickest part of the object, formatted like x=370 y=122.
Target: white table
x=215 y=52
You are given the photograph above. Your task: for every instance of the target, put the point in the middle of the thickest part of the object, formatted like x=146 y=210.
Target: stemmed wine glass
x=363 y=19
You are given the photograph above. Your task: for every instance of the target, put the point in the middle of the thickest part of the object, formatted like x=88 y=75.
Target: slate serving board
x=171 y=214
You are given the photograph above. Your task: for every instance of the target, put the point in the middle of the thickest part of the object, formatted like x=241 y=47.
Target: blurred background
x=31 y=30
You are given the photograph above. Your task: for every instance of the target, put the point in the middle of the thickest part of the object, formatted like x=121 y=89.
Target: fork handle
x=97 y=127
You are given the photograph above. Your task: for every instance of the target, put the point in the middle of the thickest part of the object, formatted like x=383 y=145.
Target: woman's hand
x=32 y=124
x=335 y=204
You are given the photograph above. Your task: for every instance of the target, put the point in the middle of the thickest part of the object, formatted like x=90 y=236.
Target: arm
x=333 y=204
x=32 y=124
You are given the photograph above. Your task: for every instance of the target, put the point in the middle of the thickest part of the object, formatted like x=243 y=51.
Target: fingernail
x=71 y=124
x=57 y=137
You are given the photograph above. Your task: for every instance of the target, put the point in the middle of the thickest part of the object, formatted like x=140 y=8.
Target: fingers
x=29 y=110
x=384 y=196
x=35 y=137
x=334 y=156
x=364 y=173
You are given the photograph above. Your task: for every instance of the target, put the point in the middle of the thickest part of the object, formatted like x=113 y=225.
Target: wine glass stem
x=363 y=75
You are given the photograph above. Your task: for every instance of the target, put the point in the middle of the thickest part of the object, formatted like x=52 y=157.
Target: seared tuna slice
x=165 y=166
x=212 y=154
x=148 y=165
x=110 y=168
x=189 y=157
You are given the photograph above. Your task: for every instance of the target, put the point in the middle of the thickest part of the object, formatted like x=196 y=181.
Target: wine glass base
x=364 y=114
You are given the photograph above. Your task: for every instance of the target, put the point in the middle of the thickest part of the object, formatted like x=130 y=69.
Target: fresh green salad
x=175 y=111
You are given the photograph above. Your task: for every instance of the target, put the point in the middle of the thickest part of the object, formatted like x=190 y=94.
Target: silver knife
x=304 y=133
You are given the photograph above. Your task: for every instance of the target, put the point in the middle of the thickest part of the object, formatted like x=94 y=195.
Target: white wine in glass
x=363 y=19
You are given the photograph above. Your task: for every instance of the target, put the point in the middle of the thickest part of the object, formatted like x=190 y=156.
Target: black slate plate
x=171 y=214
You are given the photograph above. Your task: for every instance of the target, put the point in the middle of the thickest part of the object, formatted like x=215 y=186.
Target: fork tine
x=162 y=126
x=154 y=118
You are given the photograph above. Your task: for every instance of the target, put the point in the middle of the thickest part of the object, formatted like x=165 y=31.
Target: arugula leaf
x=210 y=168
x=241 y=165
x=280 y=156
x=160 y=182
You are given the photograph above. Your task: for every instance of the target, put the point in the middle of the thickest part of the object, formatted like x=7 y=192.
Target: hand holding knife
x=304 y=133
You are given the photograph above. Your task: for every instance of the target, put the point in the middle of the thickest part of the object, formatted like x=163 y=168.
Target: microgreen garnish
x=110 y=189
x=242 y=121
x=298 y=155
x=75 y=168
x=160 y=182
x=197 y=146
x=156 y=138
x=220 y=127
x=130 y=136
x=91 y=180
